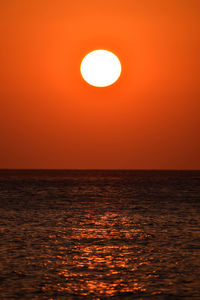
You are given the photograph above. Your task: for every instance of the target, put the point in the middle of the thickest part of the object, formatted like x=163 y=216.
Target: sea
x=99 y=234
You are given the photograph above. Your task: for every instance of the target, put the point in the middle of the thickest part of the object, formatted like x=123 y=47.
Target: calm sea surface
x=100 y=235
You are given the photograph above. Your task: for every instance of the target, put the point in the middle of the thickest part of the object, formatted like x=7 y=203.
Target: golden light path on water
x=101 y=266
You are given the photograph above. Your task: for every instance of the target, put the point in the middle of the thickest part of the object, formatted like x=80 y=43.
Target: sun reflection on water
x=99 y=258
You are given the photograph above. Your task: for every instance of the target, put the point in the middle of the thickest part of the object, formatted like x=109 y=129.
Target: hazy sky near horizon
x=51 y=118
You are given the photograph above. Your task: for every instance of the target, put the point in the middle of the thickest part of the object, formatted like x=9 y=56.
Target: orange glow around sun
x=58 y=57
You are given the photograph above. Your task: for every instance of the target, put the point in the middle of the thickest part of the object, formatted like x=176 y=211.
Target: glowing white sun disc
x=100 y=68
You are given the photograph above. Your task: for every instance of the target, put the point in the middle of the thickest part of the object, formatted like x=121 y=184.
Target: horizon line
x=93 y=169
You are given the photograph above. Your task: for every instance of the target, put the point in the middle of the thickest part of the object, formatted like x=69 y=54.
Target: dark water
x=100 y=234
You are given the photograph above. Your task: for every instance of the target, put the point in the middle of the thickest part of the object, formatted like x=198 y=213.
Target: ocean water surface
x=99 y=234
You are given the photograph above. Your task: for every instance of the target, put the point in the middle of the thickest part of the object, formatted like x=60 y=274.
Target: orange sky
x=51 y=118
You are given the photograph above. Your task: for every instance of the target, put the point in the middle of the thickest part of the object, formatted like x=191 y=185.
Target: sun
x=100 y=68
